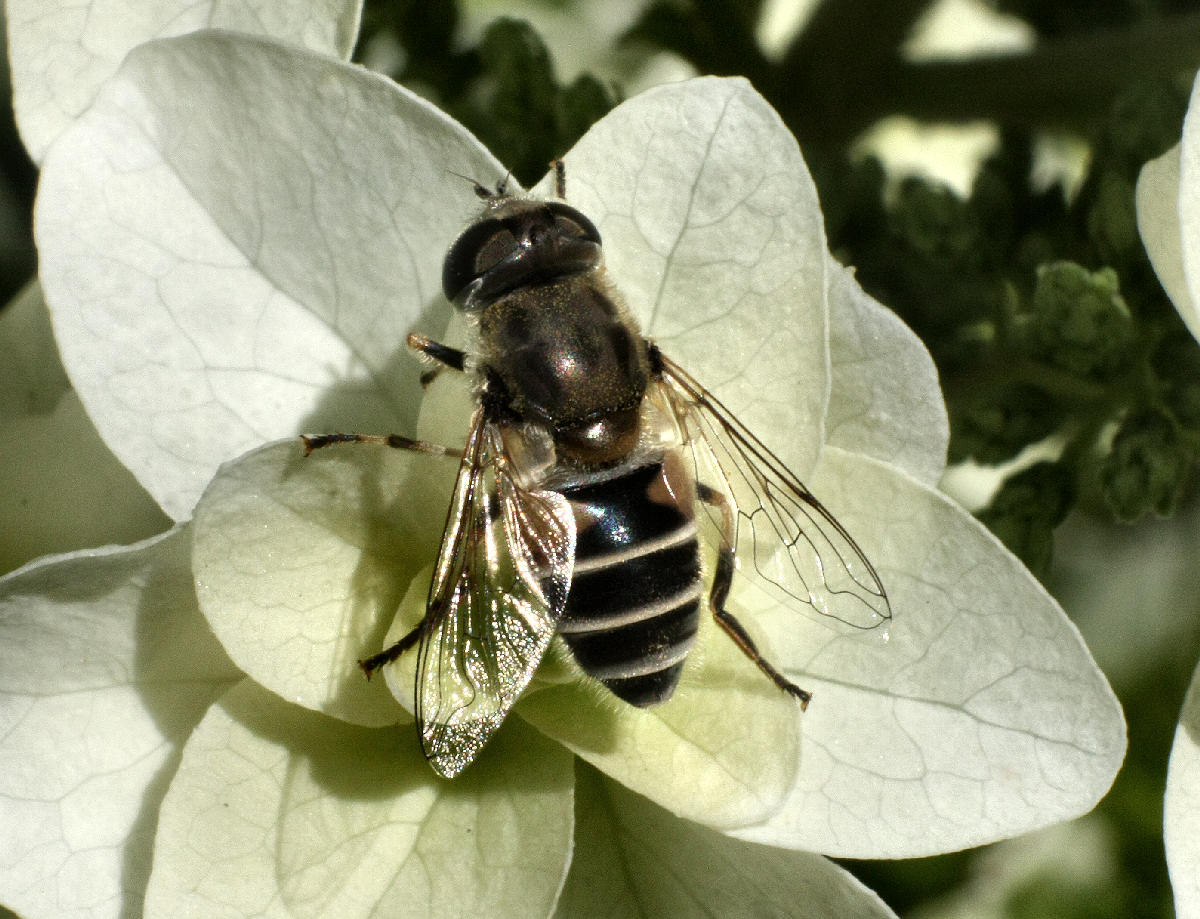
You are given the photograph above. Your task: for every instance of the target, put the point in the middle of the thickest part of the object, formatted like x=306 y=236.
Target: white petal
x=885 y=401
x=277 y=811
x=235 y=241
x=1189 y=207
x=723 y=751
x=1168 y=212
x=980 y=717
x=713 y=233
x=649 y=863
x=61 y=51
x=1158 y=215
x=105 y=667
x=71 y=491
x=1181 y=807
x=300 y=564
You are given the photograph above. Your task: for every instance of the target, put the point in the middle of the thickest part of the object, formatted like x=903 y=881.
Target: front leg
x=435 y=350
x=445 y=356
x=397 y=441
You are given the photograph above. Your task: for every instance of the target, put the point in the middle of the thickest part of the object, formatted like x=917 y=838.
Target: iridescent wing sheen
x=499 y=588
x=782 y=536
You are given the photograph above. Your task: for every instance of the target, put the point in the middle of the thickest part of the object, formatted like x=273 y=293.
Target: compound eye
x=569 y=223
x=494 y=249
x=479 y=248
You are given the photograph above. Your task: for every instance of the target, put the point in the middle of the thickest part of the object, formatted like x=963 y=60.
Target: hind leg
x=723 y=581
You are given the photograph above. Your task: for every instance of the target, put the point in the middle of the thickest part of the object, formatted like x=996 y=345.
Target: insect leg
x=482 y=192
x=723 y=580
x=560 y=179
x=398 y=441
x=443 y=354
x=446 y=357
x=387 y=655
x=314 y=442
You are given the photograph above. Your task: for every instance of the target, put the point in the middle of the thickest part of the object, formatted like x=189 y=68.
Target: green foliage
x=524 y=115
x=1001 y=421
x=719 y=34
x=1027 y=508
x=504 y=89
x=1053 y=19
x=1044 y=316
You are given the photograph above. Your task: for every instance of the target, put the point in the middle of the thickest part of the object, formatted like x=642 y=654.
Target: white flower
x=1168 y=213
x=235 y=241
x=61 y=52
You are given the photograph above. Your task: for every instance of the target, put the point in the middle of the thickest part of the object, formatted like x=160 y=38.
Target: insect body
x=634 y=605
x=593 y=469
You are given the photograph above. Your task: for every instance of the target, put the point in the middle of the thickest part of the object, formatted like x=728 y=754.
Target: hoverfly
x=575 y=512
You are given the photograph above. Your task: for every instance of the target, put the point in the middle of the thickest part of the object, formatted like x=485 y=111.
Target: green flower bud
x=1079 y=321
x=1146 y=467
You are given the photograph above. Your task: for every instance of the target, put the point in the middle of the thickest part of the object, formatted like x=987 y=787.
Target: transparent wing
x=499 y=588
x=777 y=528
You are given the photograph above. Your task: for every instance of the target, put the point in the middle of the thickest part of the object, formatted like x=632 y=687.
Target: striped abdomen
x=634 y=605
